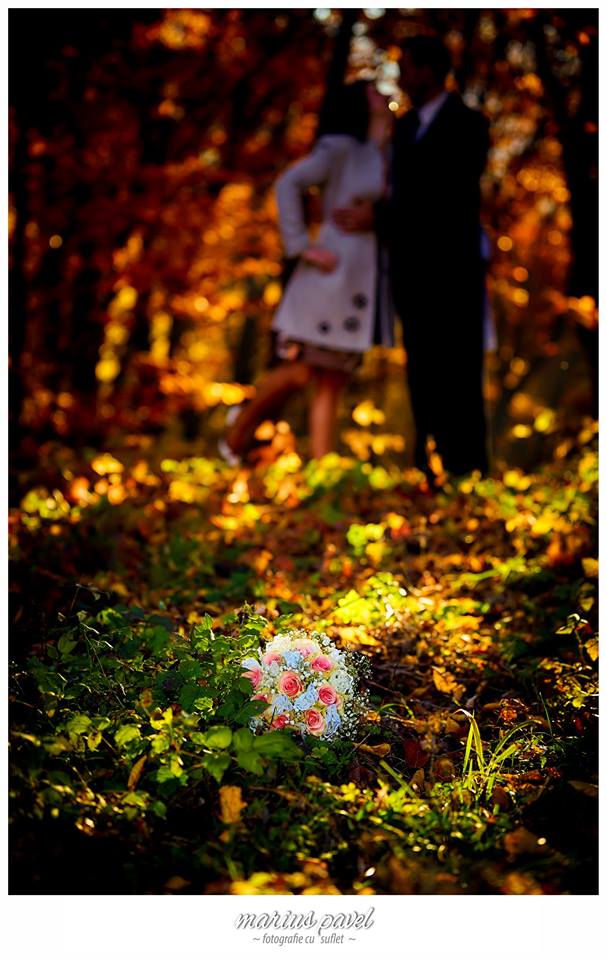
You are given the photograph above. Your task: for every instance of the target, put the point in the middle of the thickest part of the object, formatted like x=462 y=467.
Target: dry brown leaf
x=588 y=789
x=453 y=727
x=446 y=683
x=592 y=648
x=443 y=769
x=402 y=878
x=379 y=750
x=175 y=884
x=414 y=753
x=521 y=841
x=501 y=798
x=517 y=883
x=231 y=803
x=591 y=567
x=417 y=780
x=136 y=771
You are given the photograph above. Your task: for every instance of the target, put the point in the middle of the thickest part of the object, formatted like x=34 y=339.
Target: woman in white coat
x=336 y=303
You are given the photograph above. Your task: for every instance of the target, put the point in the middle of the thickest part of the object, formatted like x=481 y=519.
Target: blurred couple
x=400 y=235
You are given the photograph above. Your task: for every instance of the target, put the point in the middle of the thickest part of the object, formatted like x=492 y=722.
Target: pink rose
x=254 y=676
x=315 y=722
x=261 y=696
x=272 y=657
x=290 y=684
x=305 y=647
x=322 y=663
x=327 y=695
x=279 y=722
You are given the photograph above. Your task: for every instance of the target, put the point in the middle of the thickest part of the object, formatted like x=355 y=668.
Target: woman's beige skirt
x=314 y=356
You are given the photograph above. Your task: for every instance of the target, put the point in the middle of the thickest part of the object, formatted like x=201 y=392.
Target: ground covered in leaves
x=138 y=586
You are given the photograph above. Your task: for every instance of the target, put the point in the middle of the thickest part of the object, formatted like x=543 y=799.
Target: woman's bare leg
x=328 y=384
x=274 y=389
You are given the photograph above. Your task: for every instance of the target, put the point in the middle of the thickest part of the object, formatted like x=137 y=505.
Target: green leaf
x=56 y=745
x=218 y=737
x=111 y=618
x=244 y=739
x=165 y=720
x=125 y=734
x=202 y=635
x=159 y=808
x=163 y=774
x=277 y=745
x=251 y=709
x=172 y=770
x=203 y=704
x=478 y=744
x=217 y=765
x=158 y=640
x=190 y=669
x=93 y=740
x=77 y=724
x=160 y=743
x=136 y=799
x=188 y=695
x=59 y=778
x=250 y=761
x=468 y=749
x=65 y=646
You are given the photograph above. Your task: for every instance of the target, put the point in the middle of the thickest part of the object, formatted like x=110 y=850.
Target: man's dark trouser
x=442 y=320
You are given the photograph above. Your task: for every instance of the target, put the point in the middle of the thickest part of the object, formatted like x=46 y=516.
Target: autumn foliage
x=145 y=268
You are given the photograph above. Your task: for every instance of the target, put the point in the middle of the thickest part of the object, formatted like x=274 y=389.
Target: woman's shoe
x=226 y=453
x=233 y=414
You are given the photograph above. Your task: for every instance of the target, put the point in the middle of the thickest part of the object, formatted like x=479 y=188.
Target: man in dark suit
x=431 y=225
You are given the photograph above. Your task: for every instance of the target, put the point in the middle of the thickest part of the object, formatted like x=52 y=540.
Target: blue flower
x=281 y=703
x=333 y=720
x=251 y=664
x=307 y=699
x=292 y=658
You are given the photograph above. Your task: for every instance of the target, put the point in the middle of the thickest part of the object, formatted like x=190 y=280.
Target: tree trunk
x=579 y=139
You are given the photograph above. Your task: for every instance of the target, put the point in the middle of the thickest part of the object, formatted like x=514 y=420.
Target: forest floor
x=138 y=585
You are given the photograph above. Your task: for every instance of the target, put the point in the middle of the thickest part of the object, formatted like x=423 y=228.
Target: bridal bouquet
x=308 y=684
